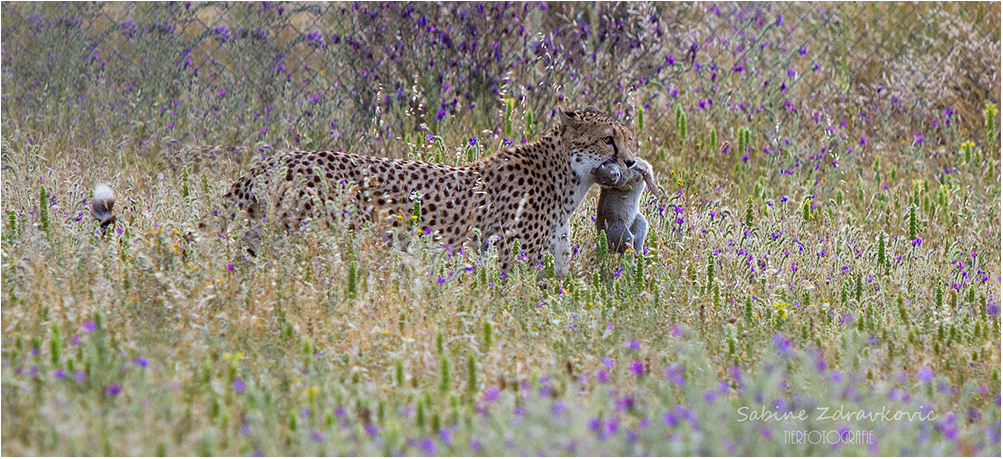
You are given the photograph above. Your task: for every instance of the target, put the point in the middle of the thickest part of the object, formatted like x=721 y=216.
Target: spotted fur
x=526 y=192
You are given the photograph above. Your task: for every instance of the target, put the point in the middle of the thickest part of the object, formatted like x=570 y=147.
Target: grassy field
x=822 y=276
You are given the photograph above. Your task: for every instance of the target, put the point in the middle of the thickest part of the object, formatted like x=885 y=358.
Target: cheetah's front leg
x=560 y=247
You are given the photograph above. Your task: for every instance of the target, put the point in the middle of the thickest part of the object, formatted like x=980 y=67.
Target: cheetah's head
x=594 y=138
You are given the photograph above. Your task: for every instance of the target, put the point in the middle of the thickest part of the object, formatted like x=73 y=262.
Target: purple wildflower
x=612 y=426
x=446 y=435
x=676 y=374
x=783 y=344
x=428 y=445
x=491 y=394
x=925 y=374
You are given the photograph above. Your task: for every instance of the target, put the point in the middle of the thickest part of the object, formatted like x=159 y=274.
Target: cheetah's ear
x=593 y=109
x=568 y=118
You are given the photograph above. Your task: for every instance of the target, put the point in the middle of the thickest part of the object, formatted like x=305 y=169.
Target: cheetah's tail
x=102 y=204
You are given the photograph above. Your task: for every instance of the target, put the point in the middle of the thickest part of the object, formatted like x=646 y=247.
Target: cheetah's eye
x=608 y=140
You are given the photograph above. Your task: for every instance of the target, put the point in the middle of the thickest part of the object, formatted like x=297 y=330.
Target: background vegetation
x=830 y=235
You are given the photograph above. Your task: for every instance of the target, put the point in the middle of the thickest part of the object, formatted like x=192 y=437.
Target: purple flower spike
x=783 y=344
x=675 y=373
x=491 y=394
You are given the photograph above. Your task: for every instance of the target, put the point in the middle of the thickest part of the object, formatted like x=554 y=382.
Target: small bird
x=101 y=206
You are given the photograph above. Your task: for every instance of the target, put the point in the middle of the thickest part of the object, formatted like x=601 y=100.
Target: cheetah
x=525 y=193
x=617 y=212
